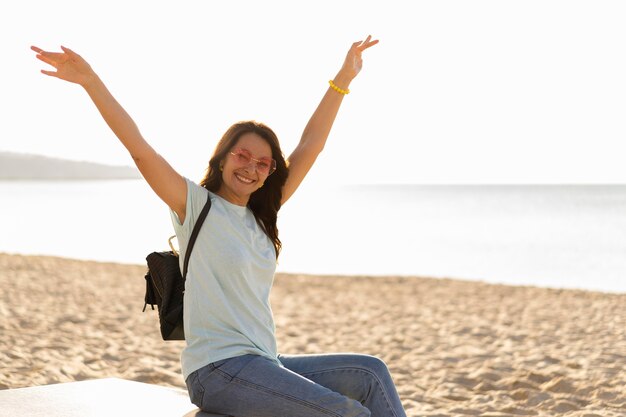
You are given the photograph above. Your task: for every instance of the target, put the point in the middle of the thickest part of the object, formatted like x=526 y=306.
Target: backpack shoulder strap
x=194 y=233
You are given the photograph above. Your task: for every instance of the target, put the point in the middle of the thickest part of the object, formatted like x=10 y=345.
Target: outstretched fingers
x=47 y=60
x=367 y=43
x=51 y=58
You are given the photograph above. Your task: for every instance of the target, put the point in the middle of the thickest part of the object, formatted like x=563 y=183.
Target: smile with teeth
x=244 y=179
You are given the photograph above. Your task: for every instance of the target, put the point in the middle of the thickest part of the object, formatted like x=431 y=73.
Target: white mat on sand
x=110 y=397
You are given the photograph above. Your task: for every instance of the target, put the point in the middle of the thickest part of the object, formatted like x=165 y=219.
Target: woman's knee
x=374 y=366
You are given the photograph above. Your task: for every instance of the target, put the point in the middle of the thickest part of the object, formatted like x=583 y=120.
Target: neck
x=232 y=197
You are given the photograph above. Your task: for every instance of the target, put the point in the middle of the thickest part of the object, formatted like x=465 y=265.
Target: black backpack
x=165 y=286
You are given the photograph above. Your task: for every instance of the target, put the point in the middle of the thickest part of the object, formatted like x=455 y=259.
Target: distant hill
x=17 y=166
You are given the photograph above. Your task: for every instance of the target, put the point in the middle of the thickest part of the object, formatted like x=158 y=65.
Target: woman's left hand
x=353 y=63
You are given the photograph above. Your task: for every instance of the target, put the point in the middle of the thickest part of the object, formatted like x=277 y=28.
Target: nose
x=251 y=166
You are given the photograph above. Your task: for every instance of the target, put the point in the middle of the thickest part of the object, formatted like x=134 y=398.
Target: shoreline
x=454 y=347
x=340 y=275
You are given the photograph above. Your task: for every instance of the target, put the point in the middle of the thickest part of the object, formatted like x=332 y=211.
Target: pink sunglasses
x=264 y=166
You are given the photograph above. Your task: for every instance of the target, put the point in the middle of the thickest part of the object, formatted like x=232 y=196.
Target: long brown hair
x=264 y=202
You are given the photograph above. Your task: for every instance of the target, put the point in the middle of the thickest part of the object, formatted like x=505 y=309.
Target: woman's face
x=244 y=173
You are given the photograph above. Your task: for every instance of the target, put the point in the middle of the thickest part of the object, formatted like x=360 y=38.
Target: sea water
x=563 y=236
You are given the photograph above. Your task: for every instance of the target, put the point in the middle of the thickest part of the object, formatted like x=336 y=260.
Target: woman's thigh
x=255 y=385
x=363 y=378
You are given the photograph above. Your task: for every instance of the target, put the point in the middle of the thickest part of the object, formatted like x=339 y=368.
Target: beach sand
x=454 y=348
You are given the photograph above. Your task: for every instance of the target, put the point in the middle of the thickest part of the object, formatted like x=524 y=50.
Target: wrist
x=342 y=80
x=90 y=81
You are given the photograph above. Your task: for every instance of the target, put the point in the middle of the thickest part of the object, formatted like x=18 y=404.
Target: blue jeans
x=333 y=385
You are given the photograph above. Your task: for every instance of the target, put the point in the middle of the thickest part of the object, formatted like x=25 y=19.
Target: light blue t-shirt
x=226 y=304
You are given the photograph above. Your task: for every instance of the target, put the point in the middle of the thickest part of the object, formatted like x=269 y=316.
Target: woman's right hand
x=68 y=64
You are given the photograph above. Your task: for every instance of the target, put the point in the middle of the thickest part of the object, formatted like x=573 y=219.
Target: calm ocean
x=553 y=236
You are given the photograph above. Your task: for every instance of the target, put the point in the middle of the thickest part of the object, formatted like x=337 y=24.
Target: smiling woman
x=228 y=322
x=257 y=182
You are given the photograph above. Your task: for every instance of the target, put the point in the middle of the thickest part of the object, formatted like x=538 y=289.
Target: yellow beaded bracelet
x=337 y=89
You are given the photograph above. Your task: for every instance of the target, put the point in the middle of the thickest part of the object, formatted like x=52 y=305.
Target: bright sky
x=457 y=91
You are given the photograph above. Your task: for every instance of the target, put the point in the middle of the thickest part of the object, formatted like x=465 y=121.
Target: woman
x=230 y=362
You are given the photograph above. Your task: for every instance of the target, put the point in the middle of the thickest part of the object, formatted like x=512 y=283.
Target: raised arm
x=164 y=180
x=317 y=129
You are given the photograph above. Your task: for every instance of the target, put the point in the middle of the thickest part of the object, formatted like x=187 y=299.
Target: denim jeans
x=333 y=385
